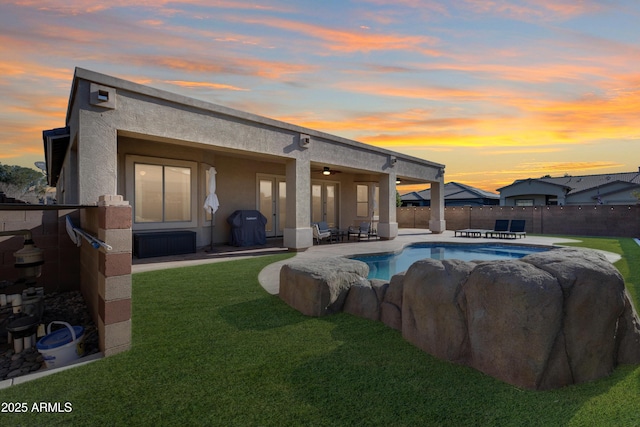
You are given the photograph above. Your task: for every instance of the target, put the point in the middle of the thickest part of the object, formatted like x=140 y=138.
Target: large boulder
x=431 y=317
x=628 y=336
x=545 y=321
x=513 y=313
x=317 y=287
x=391 y=306
x=594 y=300
x=362 y=300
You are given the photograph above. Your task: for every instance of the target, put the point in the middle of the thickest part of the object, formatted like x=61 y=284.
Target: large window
x=162 y=192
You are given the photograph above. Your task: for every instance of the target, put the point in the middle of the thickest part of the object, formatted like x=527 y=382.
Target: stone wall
x=619 y=221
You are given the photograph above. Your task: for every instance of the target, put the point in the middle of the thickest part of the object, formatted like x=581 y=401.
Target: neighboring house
x=455 y=194
x=156 y=148
x=604 y=189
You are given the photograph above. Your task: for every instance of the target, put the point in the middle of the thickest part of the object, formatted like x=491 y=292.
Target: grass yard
x=211 y=347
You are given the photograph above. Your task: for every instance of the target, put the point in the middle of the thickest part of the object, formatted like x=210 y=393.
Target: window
x=524 y=202
x=164 y=193
x=362 y=200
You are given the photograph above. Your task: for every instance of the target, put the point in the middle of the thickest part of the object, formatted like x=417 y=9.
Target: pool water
x=383 y=266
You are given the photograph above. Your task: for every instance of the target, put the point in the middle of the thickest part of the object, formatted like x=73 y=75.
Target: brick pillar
x=114 y=275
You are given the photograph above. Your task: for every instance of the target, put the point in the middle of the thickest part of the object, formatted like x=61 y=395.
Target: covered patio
x=155 y=148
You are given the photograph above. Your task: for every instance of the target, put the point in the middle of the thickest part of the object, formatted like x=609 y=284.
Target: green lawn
x=210 y=347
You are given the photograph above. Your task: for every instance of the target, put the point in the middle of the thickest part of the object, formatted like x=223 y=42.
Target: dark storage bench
x=162 y=243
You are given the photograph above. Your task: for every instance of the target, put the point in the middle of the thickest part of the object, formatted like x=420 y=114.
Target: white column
x=388 y=227
x=297 y=232
x=437 y=223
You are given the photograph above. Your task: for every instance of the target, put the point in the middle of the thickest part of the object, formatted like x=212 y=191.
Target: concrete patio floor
x=269 y=277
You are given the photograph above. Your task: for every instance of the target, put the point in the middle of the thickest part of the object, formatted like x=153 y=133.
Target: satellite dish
x=41 y=165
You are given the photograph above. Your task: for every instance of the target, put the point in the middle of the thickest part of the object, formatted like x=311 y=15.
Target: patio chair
x=323 y=226
x=321 y=235
x=364 y=230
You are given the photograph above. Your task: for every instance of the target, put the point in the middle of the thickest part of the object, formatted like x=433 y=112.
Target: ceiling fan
x=326 y=171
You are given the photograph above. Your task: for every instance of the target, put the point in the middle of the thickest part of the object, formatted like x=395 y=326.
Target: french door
x=271 y=202
x=324 y=203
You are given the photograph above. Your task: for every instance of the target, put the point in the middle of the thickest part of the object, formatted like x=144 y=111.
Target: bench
x=163 y=243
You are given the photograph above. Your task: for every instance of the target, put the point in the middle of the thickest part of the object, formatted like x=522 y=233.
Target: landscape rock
x=319 y=287
x=545 y=321
x=394 y=291
x=391 y=315
x=362 y=301
x=513 y=313
x=380 y=287
x=431 y=317
x=628 y=337
x=594 y=294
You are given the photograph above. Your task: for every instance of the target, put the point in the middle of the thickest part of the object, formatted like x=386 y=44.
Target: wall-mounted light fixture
x=398 y=181
x=326 y=171
x=305 y=140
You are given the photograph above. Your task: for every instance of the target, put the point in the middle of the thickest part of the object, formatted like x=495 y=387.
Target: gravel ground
x=66 y=306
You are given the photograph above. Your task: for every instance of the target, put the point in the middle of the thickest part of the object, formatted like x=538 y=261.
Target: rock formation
x=545 y=321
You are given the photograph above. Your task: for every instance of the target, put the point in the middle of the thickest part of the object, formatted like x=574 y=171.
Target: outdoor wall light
x=398 y=181
x=304 y=141
x=103 y=95
x=326 y=171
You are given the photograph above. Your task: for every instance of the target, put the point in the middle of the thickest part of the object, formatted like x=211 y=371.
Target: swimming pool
x=383 y=266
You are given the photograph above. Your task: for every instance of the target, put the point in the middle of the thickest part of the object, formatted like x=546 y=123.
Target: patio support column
x=97 y=156
x=387 y=226
x=297 y=232
x=437 y=223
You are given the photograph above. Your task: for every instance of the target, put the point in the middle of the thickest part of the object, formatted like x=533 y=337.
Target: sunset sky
x=495 y=89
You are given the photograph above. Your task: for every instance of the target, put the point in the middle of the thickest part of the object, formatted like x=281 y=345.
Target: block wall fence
x=60 y=272
x=103 y=277
x=603 y=220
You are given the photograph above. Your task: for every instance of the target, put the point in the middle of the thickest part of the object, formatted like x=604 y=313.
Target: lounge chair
x=321 y=235
x=469 y=232
x=516 y=229
x=501 y=226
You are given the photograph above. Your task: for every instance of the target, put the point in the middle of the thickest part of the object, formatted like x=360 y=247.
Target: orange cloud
x=78 y=7
x=349 y=41
x=524 y=10
x=235 y=66
x=204 y=85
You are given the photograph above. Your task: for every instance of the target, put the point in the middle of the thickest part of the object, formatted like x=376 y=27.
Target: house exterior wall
x=143 y=113
x=611 y=194
x=531 y=190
